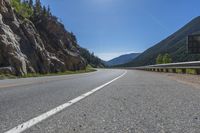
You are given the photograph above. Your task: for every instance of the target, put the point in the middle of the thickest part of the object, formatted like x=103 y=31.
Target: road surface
x=124 y=102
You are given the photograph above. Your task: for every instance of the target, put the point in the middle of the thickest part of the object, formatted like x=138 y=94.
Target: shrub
x=163 y=59
x=159 y=59
x=22 y=8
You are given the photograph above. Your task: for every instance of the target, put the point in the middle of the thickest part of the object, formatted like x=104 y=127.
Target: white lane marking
x=26 y=125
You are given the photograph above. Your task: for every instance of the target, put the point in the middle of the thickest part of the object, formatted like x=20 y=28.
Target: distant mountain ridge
x=175 y=45
x=122 y=59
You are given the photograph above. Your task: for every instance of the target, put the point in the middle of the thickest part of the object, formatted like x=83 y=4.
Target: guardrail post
x=193 y=71
x=184 y=70
x=181 y=67
x=180 y=70
x=165 y=70
x=198 y=71
x=171 y=70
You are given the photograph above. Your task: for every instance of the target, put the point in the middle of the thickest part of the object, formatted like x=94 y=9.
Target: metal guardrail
x=181 y=67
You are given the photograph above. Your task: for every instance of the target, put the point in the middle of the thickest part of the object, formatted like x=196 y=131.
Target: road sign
x=193 y=44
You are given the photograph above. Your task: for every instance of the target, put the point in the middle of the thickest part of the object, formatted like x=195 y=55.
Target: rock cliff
x=39 y=46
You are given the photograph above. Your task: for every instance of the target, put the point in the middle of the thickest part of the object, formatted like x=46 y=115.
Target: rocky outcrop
x=59 y=42
x=42 y=46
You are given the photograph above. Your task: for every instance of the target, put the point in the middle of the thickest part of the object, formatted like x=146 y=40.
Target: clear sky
x=113 y=27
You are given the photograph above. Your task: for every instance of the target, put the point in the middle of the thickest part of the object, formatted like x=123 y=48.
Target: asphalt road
x=138 y=102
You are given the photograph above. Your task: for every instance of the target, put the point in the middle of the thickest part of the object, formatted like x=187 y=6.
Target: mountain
x=175 y=45
x=122 y=59
x=32 y=40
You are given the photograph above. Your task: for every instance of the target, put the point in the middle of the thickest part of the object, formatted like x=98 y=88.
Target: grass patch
x=59 y=73
x=191 y=71
x=179 y=71
x=7 y=76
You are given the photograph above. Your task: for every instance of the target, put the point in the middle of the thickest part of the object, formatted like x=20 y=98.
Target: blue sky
x=110 y=28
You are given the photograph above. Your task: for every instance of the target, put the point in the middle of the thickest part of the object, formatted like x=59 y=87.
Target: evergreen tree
x=38 y=7
x=30 y=2
x=44 y=11
x=73 y=37
x=159 y=59
x=48 y=11
x=167 y=59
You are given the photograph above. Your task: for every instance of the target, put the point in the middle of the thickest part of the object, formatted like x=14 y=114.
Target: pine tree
x=44 y=11
x=38 y=7
x=49 y=11
x=30 y=2
x=159 y=59
x=73 y=37
x=167 y=59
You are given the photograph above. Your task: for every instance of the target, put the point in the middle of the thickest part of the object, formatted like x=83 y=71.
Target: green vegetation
x=192 y=71
x=159 y=59
x=22 y=8
x=57 y=74
x=7 y=76
x=187 y=71
x=175 y=45
x=35 y=11
x=167 y=59
x=179 y=70
x=93 y=60
x=87 y=70
x=26 y=8
x=163 y=59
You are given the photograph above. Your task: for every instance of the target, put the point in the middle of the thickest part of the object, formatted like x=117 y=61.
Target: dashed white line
x=26 y=125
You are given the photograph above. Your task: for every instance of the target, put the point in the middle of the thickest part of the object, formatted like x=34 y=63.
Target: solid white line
x=26 y=125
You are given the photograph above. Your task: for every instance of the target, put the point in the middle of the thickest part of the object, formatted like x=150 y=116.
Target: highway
x=118 y=101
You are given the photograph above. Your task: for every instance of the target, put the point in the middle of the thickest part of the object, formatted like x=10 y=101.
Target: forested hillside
x=174 y=45
x=122 y=59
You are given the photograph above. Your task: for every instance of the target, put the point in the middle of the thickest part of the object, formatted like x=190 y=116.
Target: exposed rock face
x=42 y=47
